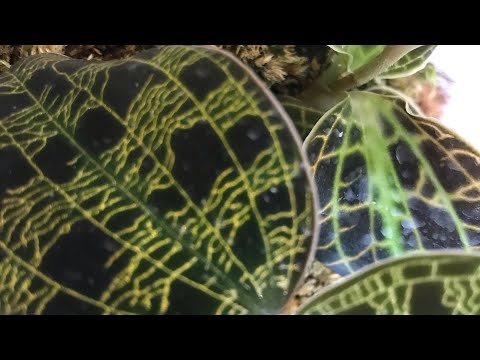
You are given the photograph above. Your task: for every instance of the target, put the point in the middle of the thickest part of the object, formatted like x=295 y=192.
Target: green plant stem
x=324 y=96
x=389 y=56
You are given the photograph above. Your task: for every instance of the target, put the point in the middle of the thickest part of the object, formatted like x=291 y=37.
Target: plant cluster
x=176 y=182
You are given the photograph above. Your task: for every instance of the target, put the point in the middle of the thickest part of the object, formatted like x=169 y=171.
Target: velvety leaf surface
x=168 y=183
x=390 y=182
x=429 y=284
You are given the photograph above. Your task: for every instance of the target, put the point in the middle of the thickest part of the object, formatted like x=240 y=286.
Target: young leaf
x=355 y=65
x=356 y=55
x=344 y=60
x=168 y=183
x=411 y=106
x=411 y=63
x=437 y=283
x=390 y=182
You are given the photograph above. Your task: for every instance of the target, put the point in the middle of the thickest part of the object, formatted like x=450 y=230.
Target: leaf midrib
x=113 y=235
x=132 y=197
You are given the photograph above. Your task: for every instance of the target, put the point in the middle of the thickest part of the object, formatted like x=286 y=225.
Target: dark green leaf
x=437 y=283
x=390 y=182
x=304 y=116
x=171 y=182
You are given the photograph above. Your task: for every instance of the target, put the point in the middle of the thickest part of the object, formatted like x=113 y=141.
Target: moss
x=4 y=57
x=318 y=278
x=13 y=53
x=103 y=52
x=287 y=69
x=5 y=52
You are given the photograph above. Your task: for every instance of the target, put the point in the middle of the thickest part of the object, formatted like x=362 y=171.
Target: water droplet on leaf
x=454 y=166
x=253 y=135
x=387 y=232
